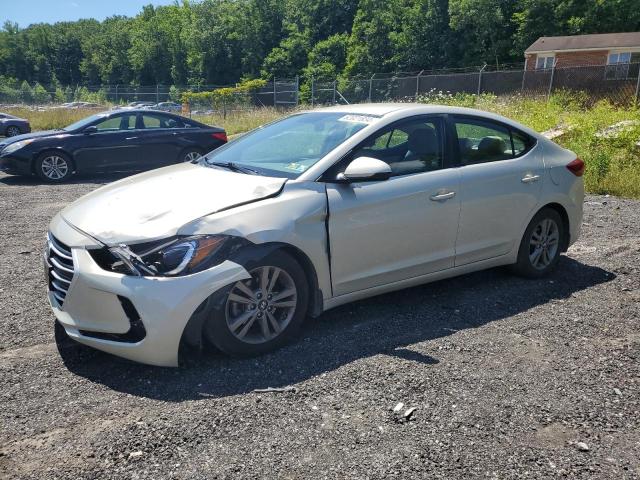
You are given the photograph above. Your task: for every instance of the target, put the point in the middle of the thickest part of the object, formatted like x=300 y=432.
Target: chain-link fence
x=617 y=83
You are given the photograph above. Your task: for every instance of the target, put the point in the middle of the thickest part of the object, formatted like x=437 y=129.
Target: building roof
x=596 y=41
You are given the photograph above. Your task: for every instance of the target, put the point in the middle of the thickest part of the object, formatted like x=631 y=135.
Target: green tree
x=287 y=59
x=375 y=23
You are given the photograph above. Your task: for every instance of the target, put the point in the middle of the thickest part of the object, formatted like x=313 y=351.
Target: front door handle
x=530 y=178
x=441 y=197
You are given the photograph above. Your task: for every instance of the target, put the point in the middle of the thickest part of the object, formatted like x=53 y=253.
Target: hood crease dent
x=156 y=204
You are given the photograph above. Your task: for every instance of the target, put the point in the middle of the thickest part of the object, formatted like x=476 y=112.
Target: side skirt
x=412 y=282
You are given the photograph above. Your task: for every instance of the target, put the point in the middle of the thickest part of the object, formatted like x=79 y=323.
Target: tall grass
x=50 y=119
x=241 y=121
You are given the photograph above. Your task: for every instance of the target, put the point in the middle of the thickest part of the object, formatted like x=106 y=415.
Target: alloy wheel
x=260 y=308
x=54 y=167
x=192 y=156
x=13 y=131
x=544 y=242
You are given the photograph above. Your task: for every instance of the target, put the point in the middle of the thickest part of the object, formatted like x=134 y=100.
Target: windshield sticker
x=358 y=119
x=296 y=167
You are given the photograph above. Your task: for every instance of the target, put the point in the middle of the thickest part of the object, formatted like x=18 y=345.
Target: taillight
x=222 y=136
x=576 y=167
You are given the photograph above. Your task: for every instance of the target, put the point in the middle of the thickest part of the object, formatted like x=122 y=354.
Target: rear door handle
x=441 y=197
x=530 y=178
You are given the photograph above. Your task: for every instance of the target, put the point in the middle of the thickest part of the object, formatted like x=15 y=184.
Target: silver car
x=310 y=212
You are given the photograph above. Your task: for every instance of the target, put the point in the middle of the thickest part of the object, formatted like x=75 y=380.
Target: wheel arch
x=566 y=231
x=192 y=334
x=37 y=155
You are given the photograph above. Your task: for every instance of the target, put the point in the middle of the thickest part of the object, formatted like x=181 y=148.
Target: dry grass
x=241 y=121
x=50 y=119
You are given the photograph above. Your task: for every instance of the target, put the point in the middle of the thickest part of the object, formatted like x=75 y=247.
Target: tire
x=242 y=317
x=53 y=167
x=12 y=131
x=190 y=155
x=541 y=245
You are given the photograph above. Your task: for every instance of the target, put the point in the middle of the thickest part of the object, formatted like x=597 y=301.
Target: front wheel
x=53 y=167
x=540 y=246
x=261 y=313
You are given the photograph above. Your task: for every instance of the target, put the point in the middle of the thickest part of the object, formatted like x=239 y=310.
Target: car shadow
x=389 y=324
x=95 y=178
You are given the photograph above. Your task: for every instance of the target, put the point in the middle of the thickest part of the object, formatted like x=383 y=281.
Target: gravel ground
x=509 y=378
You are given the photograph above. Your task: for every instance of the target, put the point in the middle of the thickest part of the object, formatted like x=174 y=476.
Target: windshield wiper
x=234 y=167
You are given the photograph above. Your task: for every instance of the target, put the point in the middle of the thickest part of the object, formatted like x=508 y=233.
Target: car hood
x=156 y=204
x=44 y=133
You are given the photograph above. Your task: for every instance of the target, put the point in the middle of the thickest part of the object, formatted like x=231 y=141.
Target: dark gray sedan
x=11 y=126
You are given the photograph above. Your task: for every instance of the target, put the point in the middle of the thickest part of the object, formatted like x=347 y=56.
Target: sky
x=26 y=12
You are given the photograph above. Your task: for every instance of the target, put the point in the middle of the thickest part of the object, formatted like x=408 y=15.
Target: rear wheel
x=53 y=167
x=12 y=131
x=190 y=155
x=540 y=246
x=261 y=313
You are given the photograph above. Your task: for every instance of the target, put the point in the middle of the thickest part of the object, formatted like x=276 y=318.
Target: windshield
x=290 y=146
x=84 y=122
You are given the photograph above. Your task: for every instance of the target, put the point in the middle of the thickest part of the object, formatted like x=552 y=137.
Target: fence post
x=553 y=72
x=335 y=86
x=371 y=86
x=157 y=93
x=637 y=100
x=313 y=90
x=275 y=98
x=418 y=85
x=297 y=90
x=480 y=78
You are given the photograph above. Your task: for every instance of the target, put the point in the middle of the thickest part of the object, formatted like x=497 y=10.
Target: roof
x=596 y=41
x=367 y=108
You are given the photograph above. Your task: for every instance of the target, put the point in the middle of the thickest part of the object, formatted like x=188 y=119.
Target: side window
x=120 y=122
x=398 y=137
x=521 y=143
x=413 y=146
x=151 y=121
x=173 y=123
x=481 y=141
x=382 y=141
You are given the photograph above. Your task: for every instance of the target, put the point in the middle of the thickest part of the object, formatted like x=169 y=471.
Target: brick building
x=615 y=50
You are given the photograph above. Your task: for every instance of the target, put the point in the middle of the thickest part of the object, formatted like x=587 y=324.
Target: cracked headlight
x=172 y=257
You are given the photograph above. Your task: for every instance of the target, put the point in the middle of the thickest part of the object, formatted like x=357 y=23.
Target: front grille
x=60 y=266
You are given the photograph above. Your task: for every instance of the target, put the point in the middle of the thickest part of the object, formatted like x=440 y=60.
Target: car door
x=110 y=148
x=501 y=182
x=385 y=231
x=160 y=139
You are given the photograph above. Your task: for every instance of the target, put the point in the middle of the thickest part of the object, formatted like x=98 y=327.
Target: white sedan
x=313 y=211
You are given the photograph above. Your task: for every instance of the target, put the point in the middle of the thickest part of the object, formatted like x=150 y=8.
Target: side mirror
x=91 y=129
x=365 y=169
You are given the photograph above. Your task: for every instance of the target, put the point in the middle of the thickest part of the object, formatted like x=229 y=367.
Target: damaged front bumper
x=139 y=318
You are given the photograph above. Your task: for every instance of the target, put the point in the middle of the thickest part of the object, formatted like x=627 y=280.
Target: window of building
x=545 y=62
x=622 y=65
